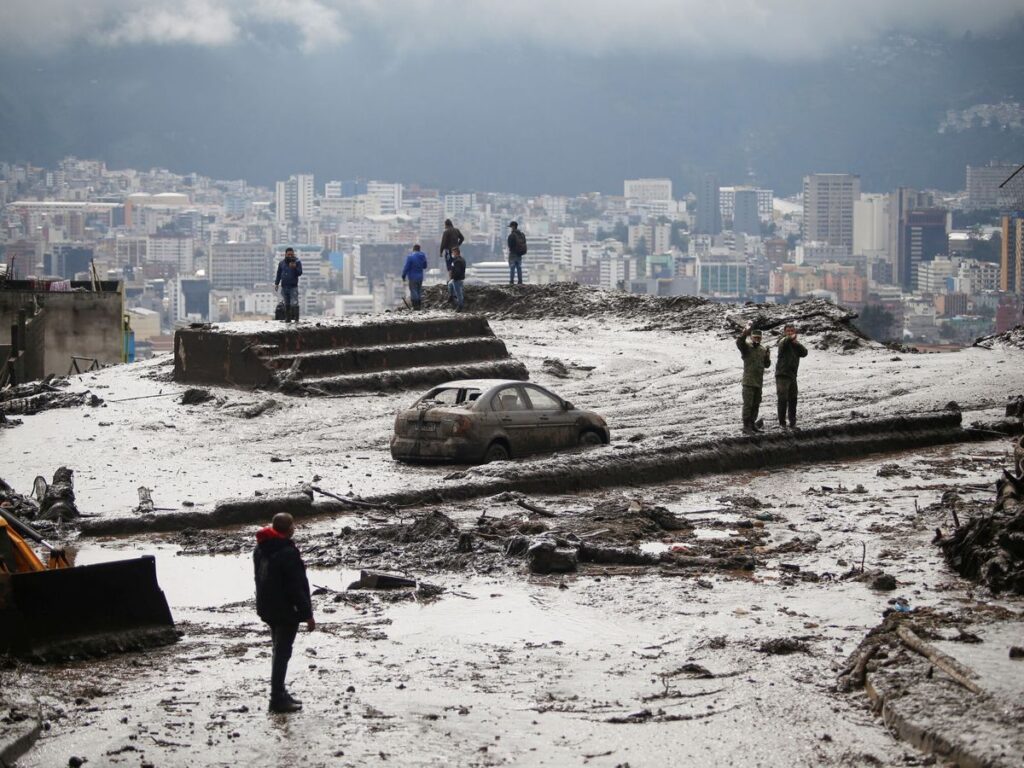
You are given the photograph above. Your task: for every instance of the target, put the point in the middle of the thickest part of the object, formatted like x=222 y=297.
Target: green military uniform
x=786 y=366
x=755 y=360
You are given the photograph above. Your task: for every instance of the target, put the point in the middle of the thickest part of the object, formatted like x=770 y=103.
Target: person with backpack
x=458 y=275
x=450 y=240
x=516 y=251
x=415 y=266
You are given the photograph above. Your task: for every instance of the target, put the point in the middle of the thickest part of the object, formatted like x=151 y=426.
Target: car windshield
x=450 y=397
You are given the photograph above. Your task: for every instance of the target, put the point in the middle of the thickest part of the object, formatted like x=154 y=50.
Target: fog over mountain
x=560 y=96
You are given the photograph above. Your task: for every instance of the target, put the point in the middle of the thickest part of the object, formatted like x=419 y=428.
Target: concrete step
x=366 y=359
x=371 y=331
x=404 y=378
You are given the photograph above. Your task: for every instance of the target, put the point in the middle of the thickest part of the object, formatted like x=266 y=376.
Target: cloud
x=793 y=29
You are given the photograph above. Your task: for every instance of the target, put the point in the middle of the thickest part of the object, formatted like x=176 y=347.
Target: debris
x=884 y=582
x=1016 y=652
x=195 y=396
x=59 y=497
x=260 y=408
x=783 y=646
x=947 y=664
x=535 y=509
x=381 y=580
x=145 y=501
x=555 y=367
x=545 y=556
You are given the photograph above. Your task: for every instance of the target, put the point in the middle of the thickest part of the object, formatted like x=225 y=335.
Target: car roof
x=478 y=383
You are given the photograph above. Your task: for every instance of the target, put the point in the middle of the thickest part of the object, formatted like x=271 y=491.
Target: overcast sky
x=536 y=95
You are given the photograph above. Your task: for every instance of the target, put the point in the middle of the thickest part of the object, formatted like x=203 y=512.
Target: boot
x=748 y=429
x=283 y=705
x=759 y=425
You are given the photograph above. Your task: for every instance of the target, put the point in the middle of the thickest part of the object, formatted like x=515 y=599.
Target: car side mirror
x=566 y=405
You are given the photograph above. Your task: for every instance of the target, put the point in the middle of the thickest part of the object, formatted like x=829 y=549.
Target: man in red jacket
x=282 y=600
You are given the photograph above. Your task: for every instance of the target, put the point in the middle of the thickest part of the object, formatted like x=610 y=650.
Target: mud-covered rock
x=545 y=556
x=782 y=646
x=195 y=396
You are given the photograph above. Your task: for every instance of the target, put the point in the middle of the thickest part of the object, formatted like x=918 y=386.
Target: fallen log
x=957 y=671
x=535 y=509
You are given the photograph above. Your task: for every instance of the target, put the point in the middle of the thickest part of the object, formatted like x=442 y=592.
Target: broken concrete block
x=382 y=580
x=546 y=557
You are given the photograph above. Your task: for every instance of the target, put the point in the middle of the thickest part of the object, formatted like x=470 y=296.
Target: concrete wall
x=79 y=323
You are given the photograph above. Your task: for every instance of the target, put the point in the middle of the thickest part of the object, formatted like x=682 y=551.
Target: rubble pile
x=833 y=325
x=1013 y=338
x=989 y=547
x=37 y=396
x=52 y=502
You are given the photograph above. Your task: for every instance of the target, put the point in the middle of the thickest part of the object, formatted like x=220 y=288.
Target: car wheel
x=590 y=438
x=496 y=452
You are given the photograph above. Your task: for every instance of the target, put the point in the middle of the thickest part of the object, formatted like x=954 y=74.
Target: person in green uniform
x=786 y=366
x=756 y=359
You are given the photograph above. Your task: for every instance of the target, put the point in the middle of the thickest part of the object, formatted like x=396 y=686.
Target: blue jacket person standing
x=282 y=600
x=415 y=266
x=289 y=269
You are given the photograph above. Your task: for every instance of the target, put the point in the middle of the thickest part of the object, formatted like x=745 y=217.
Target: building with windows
x=724 y=276
x=828 y=207
x=1011 y=257
x=293 y=199
x=177 y=250
x=647 y=190
x=239 y=265
x=983 y=185
x=746 y=212
x=925 y=237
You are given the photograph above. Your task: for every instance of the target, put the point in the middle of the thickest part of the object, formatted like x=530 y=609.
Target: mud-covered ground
x=612 y=665
x=651 y=385
x=688 y=658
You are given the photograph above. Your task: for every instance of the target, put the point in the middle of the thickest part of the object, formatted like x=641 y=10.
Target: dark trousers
x=283 y=637
x=785 y=386
x=290 y=294
x=416 y=292
x=751 y=404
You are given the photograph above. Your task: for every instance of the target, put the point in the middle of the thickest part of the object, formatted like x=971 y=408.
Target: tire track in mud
x=606 y=467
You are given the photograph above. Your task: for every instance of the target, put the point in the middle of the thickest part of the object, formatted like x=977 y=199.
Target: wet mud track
x=609 y=665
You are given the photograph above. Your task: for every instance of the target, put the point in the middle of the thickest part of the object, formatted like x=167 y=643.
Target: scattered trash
x=195 y=396
x=145 y=506
x=783 y=646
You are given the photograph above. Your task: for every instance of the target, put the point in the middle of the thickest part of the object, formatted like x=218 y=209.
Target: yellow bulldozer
x=55 y=610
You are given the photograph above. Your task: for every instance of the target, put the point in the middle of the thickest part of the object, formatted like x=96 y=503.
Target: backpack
x=520 y=240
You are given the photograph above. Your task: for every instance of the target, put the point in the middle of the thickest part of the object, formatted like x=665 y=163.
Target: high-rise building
x=293 y=199
x=983 y=185
x=709 y=211
x=871 y=224
x=239 y=265
x=746 y=217
x=1011 y=257
x=388 y=195
x=727 y=202
x=901 y=201
x=828 y=207
x=925 y=236
x=171 y=249
x=647 y=190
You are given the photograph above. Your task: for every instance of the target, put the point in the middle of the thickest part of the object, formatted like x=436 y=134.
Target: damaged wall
x=78 y=323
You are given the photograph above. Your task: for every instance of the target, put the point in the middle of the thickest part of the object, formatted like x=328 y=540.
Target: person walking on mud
x=451 y=240
x=289 y=270
x=756 y=359
x=787 y=363
x=282 y=601
x=516 y=250
x=415 y=267
x=458 y=275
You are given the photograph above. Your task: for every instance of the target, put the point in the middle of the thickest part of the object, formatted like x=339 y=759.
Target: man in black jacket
x=451 y=239
x=282 y=600
x=458 y=275
x=786 y=366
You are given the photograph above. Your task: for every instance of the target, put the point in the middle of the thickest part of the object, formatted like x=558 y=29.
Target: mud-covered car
x=482 y=420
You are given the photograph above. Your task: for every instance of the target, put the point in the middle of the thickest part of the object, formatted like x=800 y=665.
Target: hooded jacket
x=451 y=238
x=282 y=591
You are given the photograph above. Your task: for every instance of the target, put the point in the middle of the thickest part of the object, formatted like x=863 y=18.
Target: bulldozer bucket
x=84 y=611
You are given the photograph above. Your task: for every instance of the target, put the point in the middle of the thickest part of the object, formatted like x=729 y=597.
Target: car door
x=555 y=429
x=510 y=413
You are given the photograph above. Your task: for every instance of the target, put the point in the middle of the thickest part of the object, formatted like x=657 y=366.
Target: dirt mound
x=1013 y=338
x=833 y=325
x=990 y=546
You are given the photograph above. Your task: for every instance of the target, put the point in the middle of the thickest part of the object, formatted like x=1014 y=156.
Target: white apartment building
x=815 y=253
x=494 y=272
x=293 y=199
x=932 y=275
x=727 y=202
x=387 y=195
x=238 y=265
x=647 y=190
x=871 y=224
x=332 y=190
x=354 y=304
x=171 y=249
x=458 y=205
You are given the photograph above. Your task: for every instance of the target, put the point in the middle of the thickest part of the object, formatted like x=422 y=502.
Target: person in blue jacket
x=415 y=266
x=288 y=272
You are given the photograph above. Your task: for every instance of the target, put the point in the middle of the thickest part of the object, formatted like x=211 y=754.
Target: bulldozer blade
x=84 y=611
